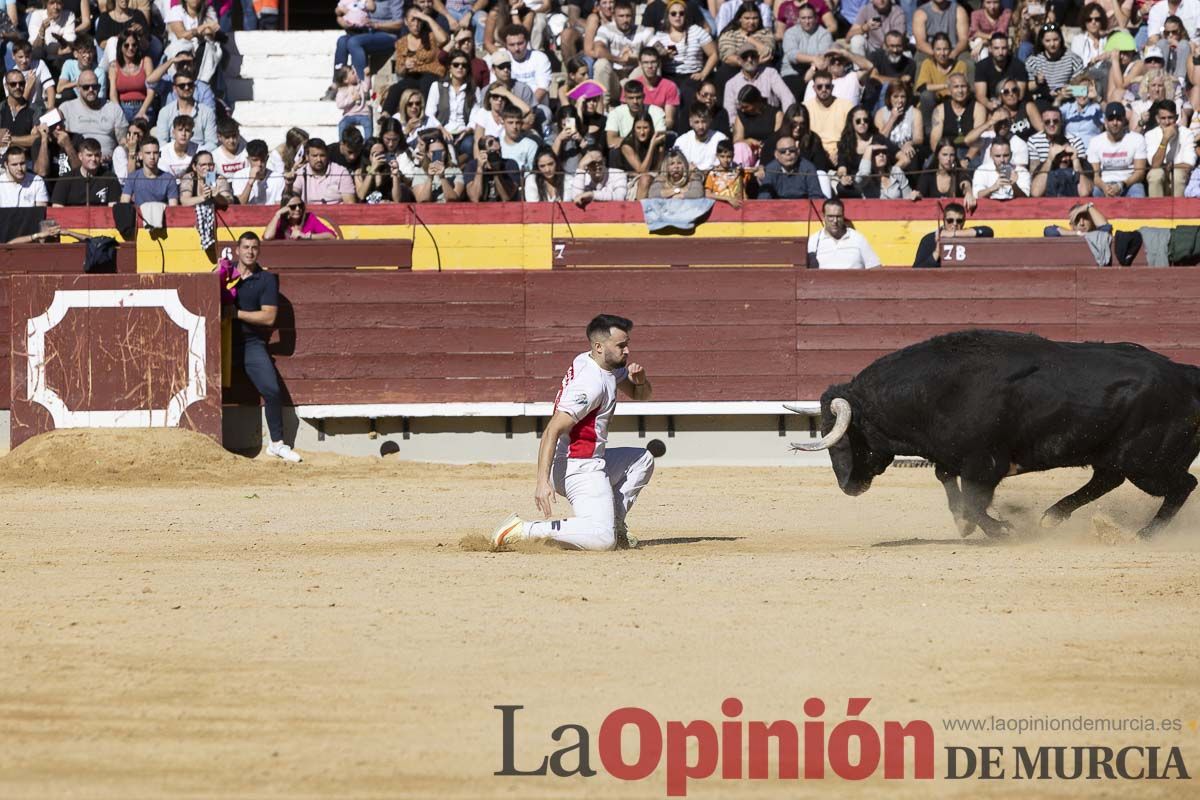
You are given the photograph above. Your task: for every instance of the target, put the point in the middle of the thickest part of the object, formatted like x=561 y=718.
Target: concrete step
x=286 y=42
x=275 y=90
x=313 y=65
x=313 y=112
x=274 y=134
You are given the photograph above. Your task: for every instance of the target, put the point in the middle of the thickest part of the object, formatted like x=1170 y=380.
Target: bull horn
x=841 y=410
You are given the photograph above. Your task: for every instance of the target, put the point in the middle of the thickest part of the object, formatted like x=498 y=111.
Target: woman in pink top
x=984 y=22
x=291 y=221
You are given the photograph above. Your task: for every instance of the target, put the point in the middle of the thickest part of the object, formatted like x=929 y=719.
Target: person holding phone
x=1001 y=179
x=201 y=183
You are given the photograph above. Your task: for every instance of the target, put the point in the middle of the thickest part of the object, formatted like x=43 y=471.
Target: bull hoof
x=965 y=527
x=1148 y=532
x=1000 y=530
x=1052 y=519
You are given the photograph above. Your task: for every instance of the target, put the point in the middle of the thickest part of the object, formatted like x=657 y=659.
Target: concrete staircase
x=276 y=79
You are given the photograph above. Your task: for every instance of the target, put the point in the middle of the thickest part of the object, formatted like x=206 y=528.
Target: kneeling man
x=601 y=483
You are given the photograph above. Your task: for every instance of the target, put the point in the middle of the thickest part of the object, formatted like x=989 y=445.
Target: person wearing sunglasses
x=954 y=218
x=1186 y=11
x=185 y=102
x=995 y=70
x=294 y=221
x=16 y=115
x=90 y=115
x=451 y=101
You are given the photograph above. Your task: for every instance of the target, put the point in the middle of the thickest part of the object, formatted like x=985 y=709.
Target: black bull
x=983 y=405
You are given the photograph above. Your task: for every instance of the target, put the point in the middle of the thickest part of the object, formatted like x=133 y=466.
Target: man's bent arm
x=558 y=425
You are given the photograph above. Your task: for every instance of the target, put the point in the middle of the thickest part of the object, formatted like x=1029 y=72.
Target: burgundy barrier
x=712 y=334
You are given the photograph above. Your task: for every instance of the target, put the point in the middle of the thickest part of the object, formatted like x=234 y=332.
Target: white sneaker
x=281 y=450
x=510 y=530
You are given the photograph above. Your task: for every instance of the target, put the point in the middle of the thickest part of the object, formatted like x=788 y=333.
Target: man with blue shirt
x=255 y=309
x=149 y=184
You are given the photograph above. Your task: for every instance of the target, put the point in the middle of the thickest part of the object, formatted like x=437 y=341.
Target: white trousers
x=600 y=491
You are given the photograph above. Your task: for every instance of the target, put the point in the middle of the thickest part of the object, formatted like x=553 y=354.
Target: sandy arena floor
x=260 y=630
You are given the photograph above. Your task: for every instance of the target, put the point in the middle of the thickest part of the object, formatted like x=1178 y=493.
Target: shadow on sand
x=944 y=542
x=687 y=540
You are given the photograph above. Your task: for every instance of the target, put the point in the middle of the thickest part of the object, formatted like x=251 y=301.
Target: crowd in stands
x=593 y=100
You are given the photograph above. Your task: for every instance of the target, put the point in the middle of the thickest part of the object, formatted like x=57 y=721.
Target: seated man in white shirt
x=837 y=247
x=1170 y=152
x=595 y=180
x=20 y=187
x=1000 y=179
x=699 y=144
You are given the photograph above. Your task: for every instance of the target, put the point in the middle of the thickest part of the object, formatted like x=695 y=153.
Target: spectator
x=699 y=145
x=230 y=157
x=439 y=179
x=530 y=67
x=90 y=184
x=126 y=156
x=689 y=49
x=129 y=79
x=379 y=181
x=1117 y=157
x=802 y=44
x=837 y=246
x=826 y=113
x=874 y=21
x=941 y=18
x=568 y=138
x=90 y=115
x=859 y=137
x=595 y=180
x=546 y=183
x=353 y=100
x=349 y=152
x=676 y=180
x=293 y=221
x=954 y=217
x=113 y=22
x=708 y=96
x=746 y=27
x=620 y=120
x=1188 y=11
x=947 y=179
x=39 y=85
x=1023 y=114
x=1083 y=117
x=998 y=68
x=20 y=187
x=1089 y=45
x=1171 y=151
x=513 y=146
x=417 y=63
x=1175 y=49
x=357 y=45
x=956 y=116
x=255 y=313
x=642 y=152
x=999 y=178
x=1151 y=90
x=318 y=180
x=847 y=83
x=987 y=21
x=787 y=15
x=933 y=79
x=730 y=10
x=451 y=102
x=263 y=186
x=1084 y=219
x=616 y=48
x=879 y=177
x=185 y=103
x=900 y=123
x=492 y=177
x=192 y=26
x=1052 y=67
x=16 y=114
x=754 y=126
x=149 y=184
x=892 y=64
x=83 y=51
x=763 y=78
x=789 y=177
x=726 y=181
x=177 y=156
x=51 y=32
x=659 y=91
x=1056 y=160
x=796 y=124
x=502 y=69
x=196 y=186
x=1193 y=186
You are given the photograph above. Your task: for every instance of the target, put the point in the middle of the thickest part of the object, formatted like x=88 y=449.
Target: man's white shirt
x=852 y=251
